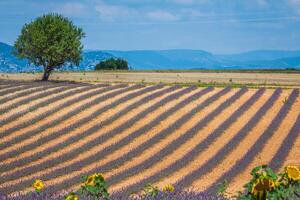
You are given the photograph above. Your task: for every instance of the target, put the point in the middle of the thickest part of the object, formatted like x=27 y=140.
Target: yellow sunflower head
x=38 y=185
x=168 y=188
x=97 y=175
x=261 y=186
x=293 y=172
x=90 y=181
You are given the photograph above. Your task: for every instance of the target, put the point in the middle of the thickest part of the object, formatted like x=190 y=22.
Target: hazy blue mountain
x=260 y=55
x=9 y=63
x=166 y=59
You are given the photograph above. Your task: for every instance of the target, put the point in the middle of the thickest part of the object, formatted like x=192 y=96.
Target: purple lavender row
x=65 y=130
x=164 y=133
x=21 y=94
x=57 y=121
x=33 y=108
x=36 y=96
x=59 y=160
x=25 y=93
x=283 y=151
x=104 y=137
x=171 y=147
x=176 y=195
x=119 y=114
x=60 y=107
x=73 y=127
x=191 y=155
x=42 y=103
x=15 y=88
x=242 y=163
x=5 y=87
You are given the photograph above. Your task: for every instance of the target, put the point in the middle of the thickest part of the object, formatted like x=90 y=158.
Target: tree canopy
x=50 y=41
x=112 y=64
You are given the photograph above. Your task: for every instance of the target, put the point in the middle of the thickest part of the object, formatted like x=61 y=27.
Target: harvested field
x=136 y=134
x=250 y=78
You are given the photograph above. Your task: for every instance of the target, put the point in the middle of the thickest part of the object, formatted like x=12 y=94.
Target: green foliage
x=151 y=190
x=221 y=190
x=94 y=186
x=266 y=184
x=112 y=64
x=71 y=196
x=50 y=41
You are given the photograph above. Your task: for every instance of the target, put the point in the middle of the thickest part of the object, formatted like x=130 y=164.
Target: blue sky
x=218 y=26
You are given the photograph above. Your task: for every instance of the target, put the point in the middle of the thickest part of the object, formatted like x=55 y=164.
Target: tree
x=112 y=64
x=50 y=41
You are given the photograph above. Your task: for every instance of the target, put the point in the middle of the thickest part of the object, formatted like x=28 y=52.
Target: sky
x=218 y=26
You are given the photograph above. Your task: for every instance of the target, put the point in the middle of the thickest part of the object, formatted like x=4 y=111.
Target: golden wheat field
x=135 y=134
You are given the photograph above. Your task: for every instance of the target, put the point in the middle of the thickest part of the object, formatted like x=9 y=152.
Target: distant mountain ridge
x=166 y=59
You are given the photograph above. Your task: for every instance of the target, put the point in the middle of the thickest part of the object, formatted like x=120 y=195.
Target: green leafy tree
x=50 y=41
x=112 y=64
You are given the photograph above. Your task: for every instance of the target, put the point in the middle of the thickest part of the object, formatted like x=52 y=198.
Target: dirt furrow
x=243 y=159
x=52 y=130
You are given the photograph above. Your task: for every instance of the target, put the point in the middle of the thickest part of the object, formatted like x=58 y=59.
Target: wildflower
x=293 y=172
x=261 y=186
x=168 y=188
x=38 y=185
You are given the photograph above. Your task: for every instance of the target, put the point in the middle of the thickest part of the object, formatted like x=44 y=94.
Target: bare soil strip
x=35 y=131
x=168 y=149
x=215 y=139
x=294 y=153
x=45 y=104
x=159 y=104
x=214 y=174
x=181 y=154
x=118 y=113
x=102 y=102
x=23 y=103
x=268 y=151
x=153 y=140
x=190 y=137
x=14 y=88
x=39 y=120
x=10 y=97
x=286 y=147
x=254 y=149
x=18 y=90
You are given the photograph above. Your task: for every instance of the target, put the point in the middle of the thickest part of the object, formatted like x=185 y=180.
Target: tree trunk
x=46 y=75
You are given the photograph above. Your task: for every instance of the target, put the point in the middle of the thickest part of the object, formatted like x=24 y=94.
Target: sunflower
x=293 y=172
x=38 y=185
x=168 y=188
x=90 y=181
x=261 y=186
x=97 y=175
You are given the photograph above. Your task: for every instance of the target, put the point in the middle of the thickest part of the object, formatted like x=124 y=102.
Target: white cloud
x=70 y=9
x=108 y=12
x=161 y=15
x=262 y=3
x=190 y=13
x=189 y=2
x=296 y=5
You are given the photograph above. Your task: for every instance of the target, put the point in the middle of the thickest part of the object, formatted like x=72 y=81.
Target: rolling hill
x=166 y=59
